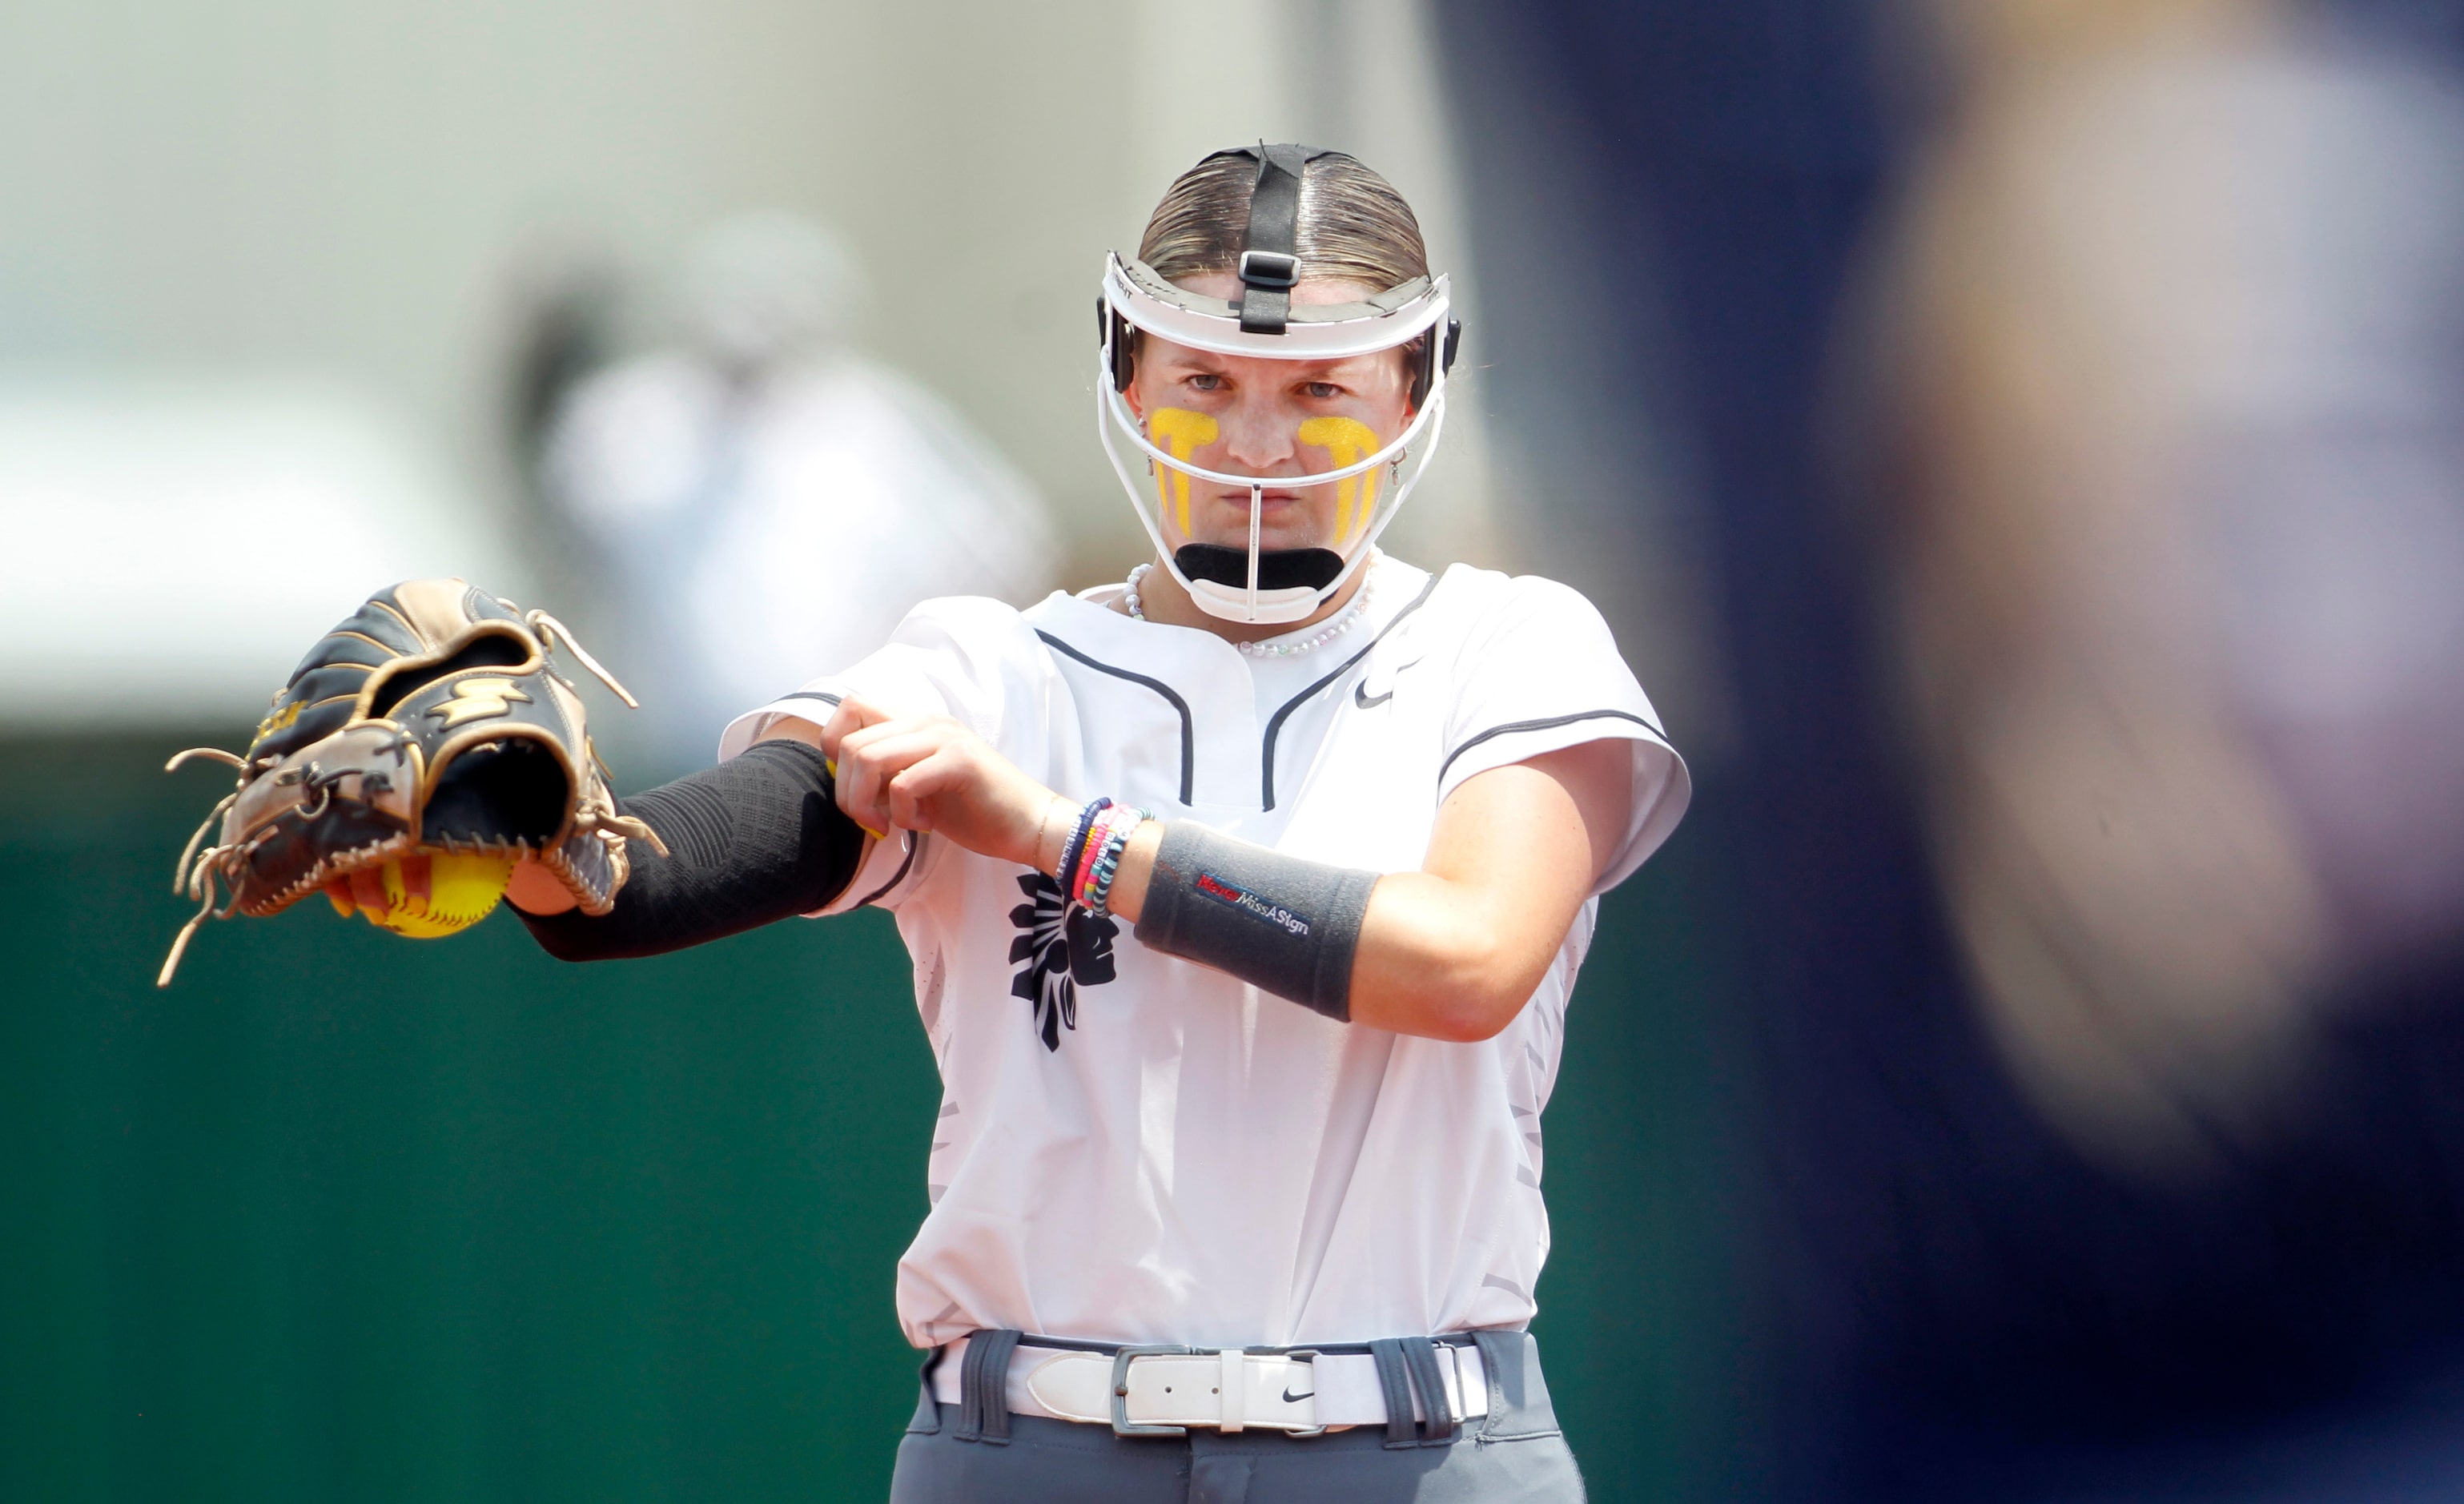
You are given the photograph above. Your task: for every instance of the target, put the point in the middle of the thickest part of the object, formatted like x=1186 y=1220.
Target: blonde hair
x=1352 y=225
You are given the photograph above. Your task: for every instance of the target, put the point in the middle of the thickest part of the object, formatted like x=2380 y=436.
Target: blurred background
x=2020 y=443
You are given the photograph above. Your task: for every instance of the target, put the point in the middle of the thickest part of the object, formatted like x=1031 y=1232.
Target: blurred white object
x=769 y=504
x=763 y=289
x=172 y=548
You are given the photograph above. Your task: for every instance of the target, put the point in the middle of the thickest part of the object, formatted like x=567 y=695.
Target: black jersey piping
x=1550 y=723
x=1275 y=723
x=914 y=844
x=1188 y=728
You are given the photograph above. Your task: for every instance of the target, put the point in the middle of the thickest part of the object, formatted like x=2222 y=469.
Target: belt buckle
x=1312 y=1355
x=1122 y=1426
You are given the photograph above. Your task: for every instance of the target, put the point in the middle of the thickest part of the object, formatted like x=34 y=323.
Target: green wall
x=345 y=1217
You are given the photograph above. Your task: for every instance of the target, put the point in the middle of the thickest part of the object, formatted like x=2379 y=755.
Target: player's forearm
x=1453 y=951
x=1432 y=958
x=1445 y=960
x=750 y=841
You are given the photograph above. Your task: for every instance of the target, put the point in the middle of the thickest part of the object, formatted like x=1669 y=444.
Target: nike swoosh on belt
x=1291 y=1398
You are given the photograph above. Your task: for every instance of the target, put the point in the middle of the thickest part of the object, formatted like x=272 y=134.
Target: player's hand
x=932 y=773
x=364 y=891
x=534 y=890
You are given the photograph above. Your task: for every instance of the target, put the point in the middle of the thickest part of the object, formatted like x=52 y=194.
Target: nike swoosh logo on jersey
x=1291 y=1398
x=1361 y=697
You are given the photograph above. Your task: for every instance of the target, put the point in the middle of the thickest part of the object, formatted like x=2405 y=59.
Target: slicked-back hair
x=1352 y=224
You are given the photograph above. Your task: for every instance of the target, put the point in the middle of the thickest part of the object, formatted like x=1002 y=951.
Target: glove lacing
x=201 y=875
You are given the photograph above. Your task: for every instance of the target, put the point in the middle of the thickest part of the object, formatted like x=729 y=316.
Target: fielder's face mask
x=1286 y=584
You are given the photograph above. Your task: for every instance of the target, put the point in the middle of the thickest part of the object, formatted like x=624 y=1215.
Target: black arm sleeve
x=752 y=840
x=1280 y=924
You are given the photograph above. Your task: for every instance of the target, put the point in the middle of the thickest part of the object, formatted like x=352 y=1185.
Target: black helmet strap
x=1270 y=264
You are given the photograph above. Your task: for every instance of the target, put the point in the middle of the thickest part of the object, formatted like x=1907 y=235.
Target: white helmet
x=1283 y=584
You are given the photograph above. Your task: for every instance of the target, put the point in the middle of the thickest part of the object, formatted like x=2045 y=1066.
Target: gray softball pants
x=1515 y=1454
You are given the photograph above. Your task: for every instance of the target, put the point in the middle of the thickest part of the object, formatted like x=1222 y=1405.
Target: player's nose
x=1259 y=437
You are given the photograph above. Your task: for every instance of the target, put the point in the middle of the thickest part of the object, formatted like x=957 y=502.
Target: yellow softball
x=460 y=890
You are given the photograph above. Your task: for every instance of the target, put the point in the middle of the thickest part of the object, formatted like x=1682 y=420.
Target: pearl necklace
x=1273 y=647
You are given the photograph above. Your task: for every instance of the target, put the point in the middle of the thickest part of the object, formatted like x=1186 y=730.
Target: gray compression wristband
x=1284 y=925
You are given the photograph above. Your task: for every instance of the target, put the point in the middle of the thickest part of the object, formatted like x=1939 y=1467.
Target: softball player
x=1245 y=897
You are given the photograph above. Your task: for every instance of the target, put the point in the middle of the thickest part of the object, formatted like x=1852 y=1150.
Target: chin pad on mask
x=1278 y=569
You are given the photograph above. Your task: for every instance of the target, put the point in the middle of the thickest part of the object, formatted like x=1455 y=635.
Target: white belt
x=1229 y=1390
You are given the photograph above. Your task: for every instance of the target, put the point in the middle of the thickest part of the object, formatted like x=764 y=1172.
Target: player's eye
x=1321 y=390
x=1206 y=381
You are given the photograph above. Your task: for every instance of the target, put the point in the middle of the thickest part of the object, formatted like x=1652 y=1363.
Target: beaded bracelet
x=1082 y=873
x=1076 y=846
x=1118 y=824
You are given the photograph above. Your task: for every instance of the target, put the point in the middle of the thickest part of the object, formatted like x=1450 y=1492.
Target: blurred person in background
x=2169 y=340
x=701 y=473
x=2180 y=314
x=2105 y=1142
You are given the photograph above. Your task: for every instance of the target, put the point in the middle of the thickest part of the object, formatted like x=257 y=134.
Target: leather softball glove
x=429 y=721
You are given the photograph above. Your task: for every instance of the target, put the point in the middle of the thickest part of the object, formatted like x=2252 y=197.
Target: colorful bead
x=1082 y=873
x=1076 y=846
x=1121 y=823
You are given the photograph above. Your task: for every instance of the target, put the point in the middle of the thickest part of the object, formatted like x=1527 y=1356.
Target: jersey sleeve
x=1540 y=673
x=960 y=656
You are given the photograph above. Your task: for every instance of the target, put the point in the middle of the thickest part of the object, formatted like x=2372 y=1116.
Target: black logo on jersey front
x=1064 y=948
x=1361 y=697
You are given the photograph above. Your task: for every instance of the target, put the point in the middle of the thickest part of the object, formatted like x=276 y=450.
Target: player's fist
x=934 y=773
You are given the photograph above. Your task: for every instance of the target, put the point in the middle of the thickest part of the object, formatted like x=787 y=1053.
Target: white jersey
x=1136 y=1148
